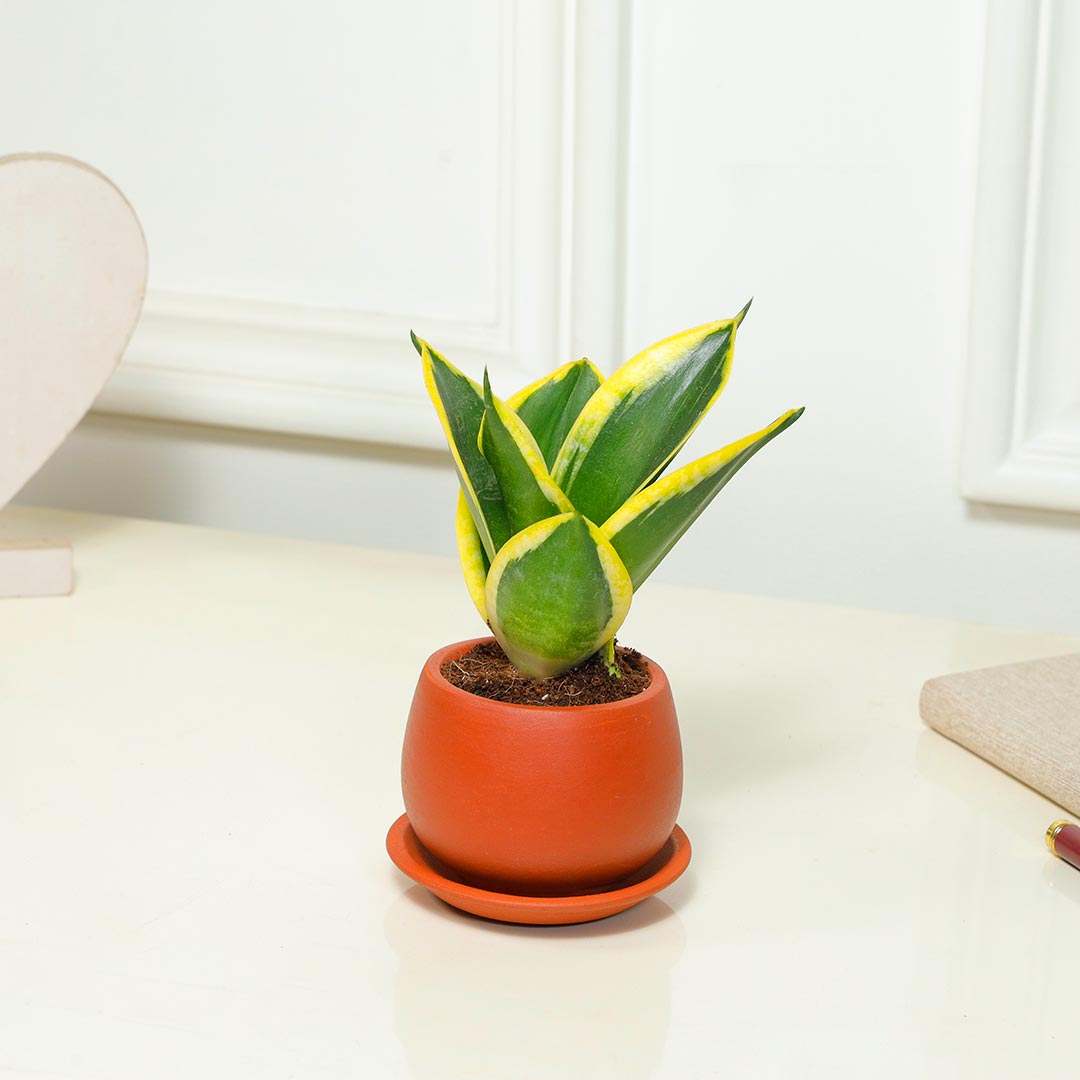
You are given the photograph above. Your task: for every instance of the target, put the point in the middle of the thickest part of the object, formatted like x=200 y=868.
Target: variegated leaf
x=459 y=403
x=550 y=405
x=474 y=560
x=648 y=525
x=556 y=593
x=528 y=491
x=637 y=420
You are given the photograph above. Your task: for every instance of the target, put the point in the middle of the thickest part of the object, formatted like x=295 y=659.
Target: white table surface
x=199 y=761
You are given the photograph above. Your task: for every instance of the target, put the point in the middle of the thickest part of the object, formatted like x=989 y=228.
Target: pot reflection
x=479 y=999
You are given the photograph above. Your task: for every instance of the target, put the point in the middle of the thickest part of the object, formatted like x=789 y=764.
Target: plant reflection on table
x=477 y=999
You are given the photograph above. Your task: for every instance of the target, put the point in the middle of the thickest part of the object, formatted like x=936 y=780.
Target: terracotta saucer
x=413 y=860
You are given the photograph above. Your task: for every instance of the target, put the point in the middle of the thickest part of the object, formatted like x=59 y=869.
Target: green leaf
x=647 y=527
x=637 y=420
x=550 y=405
x=528 y=491
x=459 y=403
x=555 y=594
x=474 y=561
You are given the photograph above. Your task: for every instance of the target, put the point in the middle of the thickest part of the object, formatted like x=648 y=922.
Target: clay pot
x=542 y=801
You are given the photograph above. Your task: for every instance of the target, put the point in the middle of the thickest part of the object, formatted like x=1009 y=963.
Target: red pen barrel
x=1063 y=839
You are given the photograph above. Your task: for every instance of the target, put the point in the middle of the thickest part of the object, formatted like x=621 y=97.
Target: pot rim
x=657 y=686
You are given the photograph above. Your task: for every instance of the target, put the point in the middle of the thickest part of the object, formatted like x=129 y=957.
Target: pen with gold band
x=1063 y=840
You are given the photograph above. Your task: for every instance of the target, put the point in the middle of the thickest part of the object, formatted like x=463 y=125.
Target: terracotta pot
x=527 y=799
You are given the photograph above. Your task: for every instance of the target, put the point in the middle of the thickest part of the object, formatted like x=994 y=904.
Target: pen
x=1063 y=840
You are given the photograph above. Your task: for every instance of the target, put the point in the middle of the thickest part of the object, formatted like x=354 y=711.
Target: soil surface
x=485 y=671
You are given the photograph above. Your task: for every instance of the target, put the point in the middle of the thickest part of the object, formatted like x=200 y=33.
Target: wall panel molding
x=1022 y=423
x=350 y=374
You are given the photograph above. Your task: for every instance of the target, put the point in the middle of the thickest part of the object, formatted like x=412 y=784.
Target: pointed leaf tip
x=459 y=404
x=649 y=524
x=742 y=314
x=549 y=406
x=506 y=443
x=418 y=345
x=638 y=419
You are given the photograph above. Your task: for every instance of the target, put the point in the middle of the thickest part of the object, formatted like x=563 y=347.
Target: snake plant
x=563 y=511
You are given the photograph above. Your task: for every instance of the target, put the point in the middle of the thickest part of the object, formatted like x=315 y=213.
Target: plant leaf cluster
x=565 y=508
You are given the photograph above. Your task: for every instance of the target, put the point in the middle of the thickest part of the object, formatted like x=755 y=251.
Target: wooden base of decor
x=36 y=568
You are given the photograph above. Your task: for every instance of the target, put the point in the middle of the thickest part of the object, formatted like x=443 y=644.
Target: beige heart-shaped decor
x=72 y=280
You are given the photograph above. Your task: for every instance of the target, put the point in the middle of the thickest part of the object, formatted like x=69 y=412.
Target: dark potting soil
x=485 y=671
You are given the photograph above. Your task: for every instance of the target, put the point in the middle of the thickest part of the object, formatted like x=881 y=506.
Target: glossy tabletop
x=199 y=761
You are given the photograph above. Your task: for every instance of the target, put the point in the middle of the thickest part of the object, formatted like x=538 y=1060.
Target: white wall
x=820 y=157
x=390 y=497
